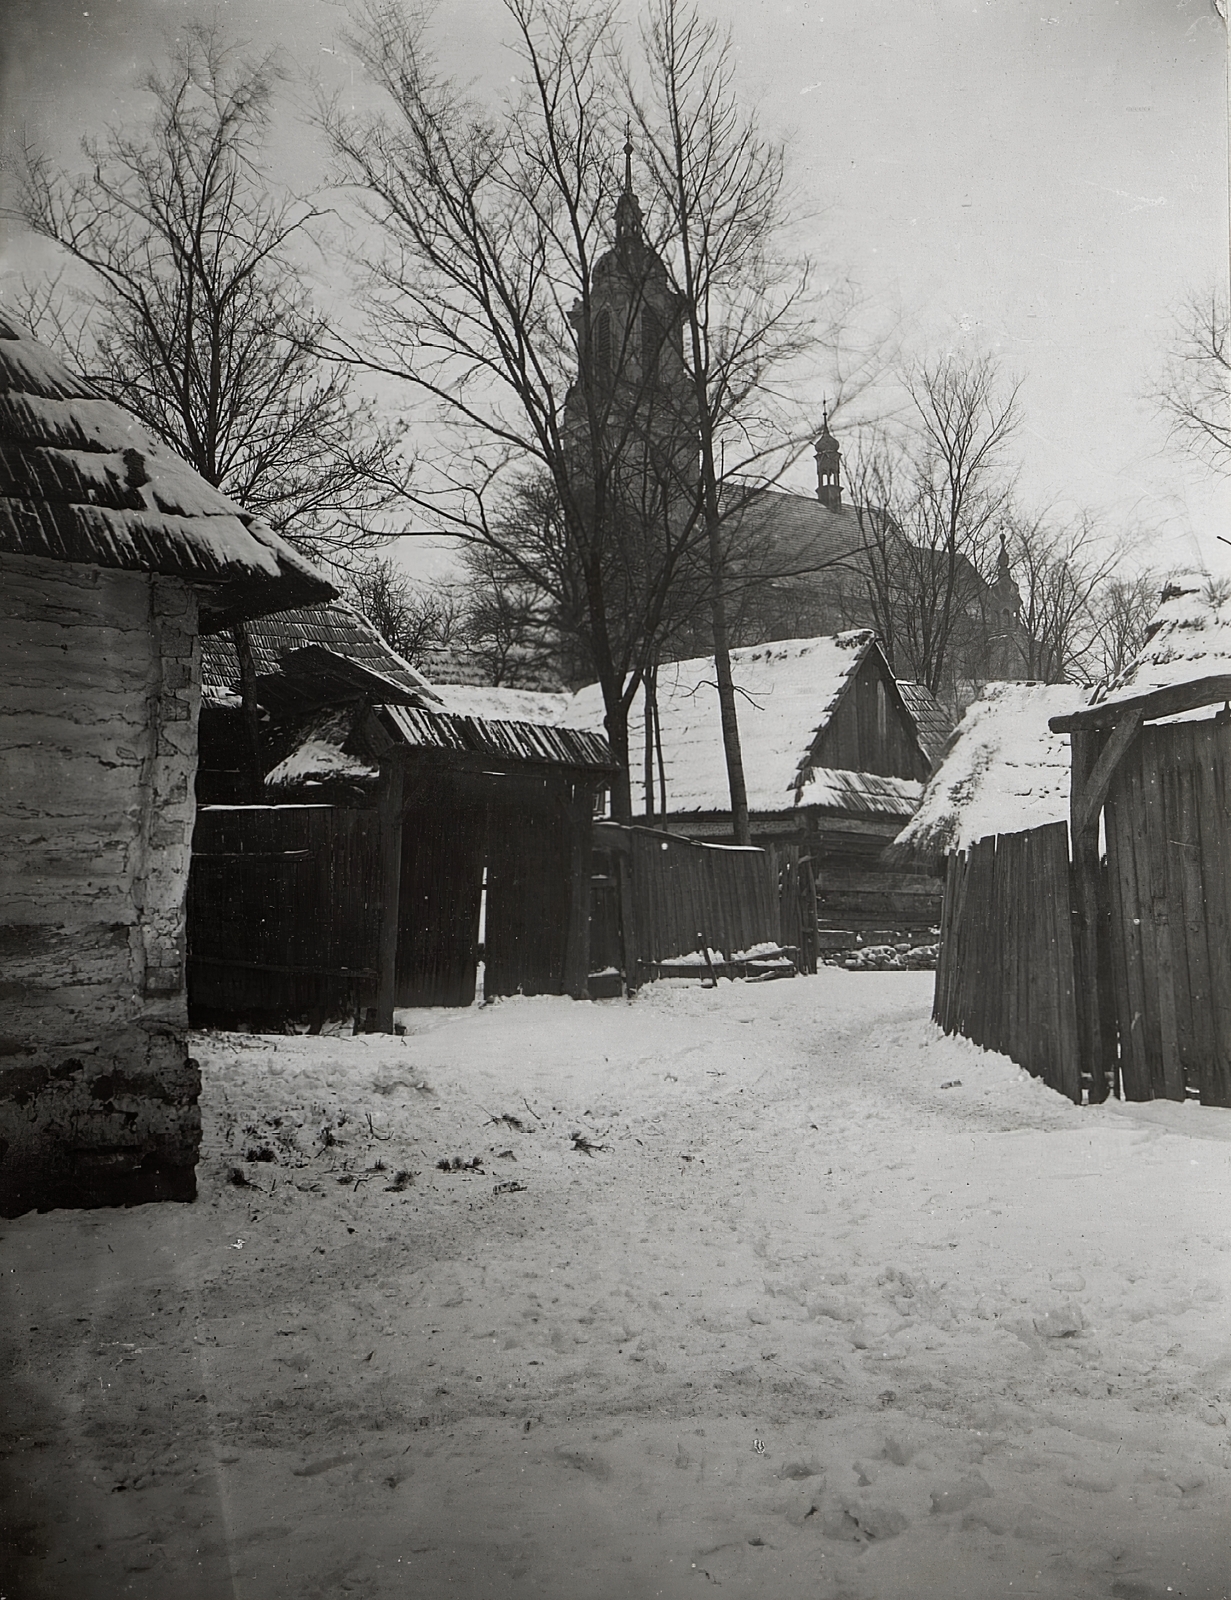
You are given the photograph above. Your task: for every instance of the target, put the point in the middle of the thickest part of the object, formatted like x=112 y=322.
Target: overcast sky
x=1046 y=179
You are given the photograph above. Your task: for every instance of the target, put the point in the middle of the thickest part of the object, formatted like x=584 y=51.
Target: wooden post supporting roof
x=1095 y=1021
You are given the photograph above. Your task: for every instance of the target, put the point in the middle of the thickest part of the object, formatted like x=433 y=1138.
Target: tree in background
x=483 y=301
x=415 y=619
x=1194 y=387
x=197 y=320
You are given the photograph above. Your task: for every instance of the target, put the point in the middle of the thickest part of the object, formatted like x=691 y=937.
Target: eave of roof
x=82 y=480
x=525 y=743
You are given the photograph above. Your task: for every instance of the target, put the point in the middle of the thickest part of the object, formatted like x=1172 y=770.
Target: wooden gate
x=1168 y=825
x=283 y=911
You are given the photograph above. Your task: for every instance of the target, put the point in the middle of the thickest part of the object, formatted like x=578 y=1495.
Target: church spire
x=628 y=207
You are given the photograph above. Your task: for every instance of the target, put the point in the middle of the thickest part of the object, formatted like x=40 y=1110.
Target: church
x=797 y=565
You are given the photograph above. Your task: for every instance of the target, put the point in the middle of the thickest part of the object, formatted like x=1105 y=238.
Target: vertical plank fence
x=1168 y=825
x=1005 y=975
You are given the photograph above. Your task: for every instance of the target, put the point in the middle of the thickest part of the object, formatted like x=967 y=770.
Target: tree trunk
x=740 y=831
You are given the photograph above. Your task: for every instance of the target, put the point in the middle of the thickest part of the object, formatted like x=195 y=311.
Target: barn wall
x=870 y=732
x=99 y=693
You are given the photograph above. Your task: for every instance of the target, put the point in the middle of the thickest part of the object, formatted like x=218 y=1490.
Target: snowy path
x=811 y=1319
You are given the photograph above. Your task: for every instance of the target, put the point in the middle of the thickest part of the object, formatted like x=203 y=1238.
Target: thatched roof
x=1185 y=665
x=82 y=480
x=1004 y=772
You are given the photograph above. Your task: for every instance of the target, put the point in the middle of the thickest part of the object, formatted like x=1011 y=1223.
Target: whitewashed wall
x=99 y=694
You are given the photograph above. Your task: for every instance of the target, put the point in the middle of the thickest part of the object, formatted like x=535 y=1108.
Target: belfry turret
x=828 y=468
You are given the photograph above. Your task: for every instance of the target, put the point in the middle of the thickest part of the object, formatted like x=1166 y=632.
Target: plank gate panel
x=1005 y=975
x=1168 y=825
x=283 y=909
x=684 y=893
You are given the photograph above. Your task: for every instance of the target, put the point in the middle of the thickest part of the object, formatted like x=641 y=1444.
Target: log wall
x=99 y=693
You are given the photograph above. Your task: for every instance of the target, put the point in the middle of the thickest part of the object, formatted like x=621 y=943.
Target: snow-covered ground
x=768 y=1288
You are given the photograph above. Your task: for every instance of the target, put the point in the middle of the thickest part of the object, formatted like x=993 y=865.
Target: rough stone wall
x=99 y=696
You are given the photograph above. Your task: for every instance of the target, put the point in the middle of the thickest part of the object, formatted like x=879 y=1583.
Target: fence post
x=1094 y=1026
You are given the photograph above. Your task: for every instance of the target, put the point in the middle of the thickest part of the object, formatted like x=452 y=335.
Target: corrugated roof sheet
x=336 y=627
x=535 y=743
x=1005 y=771
x=82 y=480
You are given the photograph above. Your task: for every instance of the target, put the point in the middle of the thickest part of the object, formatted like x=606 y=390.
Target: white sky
x=1043 y=178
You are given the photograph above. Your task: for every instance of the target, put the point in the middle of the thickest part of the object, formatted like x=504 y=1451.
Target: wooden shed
x=832 y=759
x=394 y=839
x=114 y=558
x=1150 y=818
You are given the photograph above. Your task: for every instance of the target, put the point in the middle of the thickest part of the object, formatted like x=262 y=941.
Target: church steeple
x=828 y=468
x=628 y=207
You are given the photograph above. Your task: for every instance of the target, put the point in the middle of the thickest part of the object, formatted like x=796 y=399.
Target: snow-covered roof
x=787 y=691
x=1189 y=639
x=1005 y=770
x=81 y=479
x=512 y=705
x=318 y=761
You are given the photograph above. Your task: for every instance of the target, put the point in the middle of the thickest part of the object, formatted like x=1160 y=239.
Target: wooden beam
x=1095 y=1018
x=391 y=826
x=578 y=819
x=1152 y=704
x=1086 y=805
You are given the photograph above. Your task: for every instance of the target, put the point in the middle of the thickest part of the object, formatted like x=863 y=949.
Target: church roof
x=792 y=535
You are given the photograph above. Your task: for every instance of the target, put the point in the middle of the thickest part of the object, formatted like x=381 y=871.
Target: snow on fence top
x=1005 y=770
x=81 y=479
x=786 y=693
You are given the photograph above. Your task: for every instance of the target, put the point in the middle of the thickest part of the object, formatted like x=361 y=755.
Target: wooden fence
x=1005 y=978
x=1168 y=828
x=677 y=897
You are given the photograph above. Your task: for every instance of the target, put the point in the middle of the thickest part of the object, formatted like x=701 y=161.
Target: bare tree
x=1064 y=572
x=719 y=187
x=195 y=317
x=1122 y=608
x=1194 y=388
x=414 y=618
x=931 y=499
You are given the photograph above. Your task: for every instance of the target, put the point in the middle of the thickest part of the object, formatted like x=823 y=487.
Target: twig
x=531 y=1110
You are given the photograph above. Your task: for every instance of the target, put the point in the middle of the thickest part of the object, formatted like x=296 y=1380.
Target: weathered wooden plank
x=1152 y=704
x=1088 y=803
x=389 y=806
x=1212 y=801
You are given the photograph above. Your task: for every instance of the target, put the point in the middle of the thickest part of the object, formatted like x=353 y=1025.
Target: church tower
x=828 y=468
x=635 y=349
